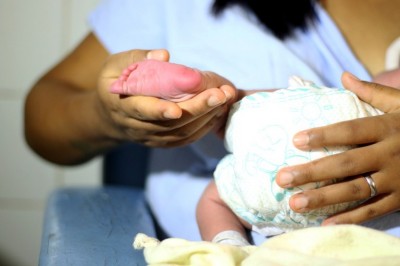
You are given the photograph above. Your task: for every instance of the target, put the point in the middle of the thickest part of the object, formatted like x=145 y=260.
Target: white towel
x=320 y=246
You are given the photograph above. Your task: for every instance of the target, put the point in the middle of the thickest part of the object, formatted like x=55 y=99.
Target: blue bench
x=94 y=226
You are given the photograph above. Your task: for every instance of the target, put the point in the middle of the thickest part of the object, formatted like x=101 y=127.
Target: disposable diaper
x=258 y=138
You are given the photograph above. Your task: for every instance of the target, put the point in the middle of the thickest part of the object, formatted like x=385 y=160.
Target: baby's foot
x=159 y=79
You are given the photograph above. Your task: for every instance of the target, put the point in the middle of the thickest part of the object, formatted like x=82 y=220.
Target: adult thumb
x=385 y=98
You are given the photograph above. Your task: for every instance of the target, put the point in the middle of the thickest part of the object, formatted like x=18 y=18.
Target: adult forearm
x=65 y=125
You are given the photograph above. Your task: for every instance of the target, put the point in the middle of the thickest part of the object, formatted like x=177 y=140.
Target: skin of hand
x=160 y=123
x=70 y=115
x=377 y=153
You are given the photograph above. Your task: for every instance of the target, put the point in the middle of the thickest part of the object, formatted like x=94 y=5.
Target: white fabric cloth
x=259 y=141
x=234 y=46
x=342 y=245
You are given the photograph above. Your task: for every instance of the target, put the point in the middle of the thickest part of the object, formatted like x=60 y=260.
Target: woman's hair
x=280 y=17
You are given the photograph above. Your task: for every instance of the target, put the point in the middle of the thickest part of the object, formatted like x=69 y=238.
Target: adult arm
x=70 y=115
x=378 y=154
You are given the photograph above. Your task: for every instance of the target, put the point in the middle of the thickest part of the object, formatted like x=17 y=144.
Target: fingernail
x=225 y=89
x=150 y=55
x=285 y=178
x=301 y=139
x=213 y=101
x=170 y=115
x=352 y=76
x=228 y=95
x=155 y=54
x=300 y=203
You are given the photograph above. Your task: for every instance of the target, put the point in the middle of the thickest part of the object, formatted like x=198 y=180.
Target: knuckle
x=355 y=189
x=348 y=128
x=318 y=200
x=394 y=153
x=371 y=212
x=316 y=137
x=346 y=162
x=307 y=173
x=374 y=86
x=136 y=113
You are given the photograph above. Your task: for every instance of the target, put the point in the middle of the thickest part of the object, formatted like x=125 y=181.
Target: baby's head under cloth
x=259 y=141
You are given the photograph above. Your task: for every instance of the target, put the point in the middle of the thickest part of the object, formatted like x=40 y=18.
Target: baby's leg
x=217 y=222
x=160 y=79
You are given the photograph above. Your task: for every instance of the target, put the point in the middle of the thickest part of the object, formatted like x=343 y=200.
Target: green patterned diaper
x=259 y=140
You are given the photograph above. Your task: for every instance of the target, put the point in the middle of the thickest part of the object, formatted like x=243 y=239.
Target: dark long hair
x=280 y=17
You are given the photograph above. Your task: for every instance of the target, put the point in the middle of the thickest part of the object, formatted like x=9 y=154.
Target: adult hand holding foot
x=174 y=105
x=377 y=155
x=94 y=120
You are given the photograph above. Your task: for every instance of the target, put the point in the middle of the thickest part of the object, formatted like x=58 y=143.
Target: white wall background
x=34 y=34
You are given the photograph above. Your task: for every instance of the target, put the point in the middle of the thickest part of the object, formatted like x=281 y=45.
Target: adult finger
x=189 y=133
x=337 y=166
x=148 y=108
x=371 y=209
x=386 y=99
x=352 y=132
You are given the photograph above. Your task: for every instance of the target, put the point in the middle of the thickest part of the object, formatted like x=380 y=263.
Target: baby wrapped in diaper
x=258 y=138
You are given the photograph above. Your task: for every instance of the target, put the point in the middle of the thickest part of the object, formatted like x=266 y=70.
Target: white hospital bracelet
x=230 y=237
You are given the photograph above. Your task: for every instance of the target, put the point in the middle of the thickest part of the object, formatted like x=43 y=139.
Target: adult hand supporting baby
x=377 y=154
x=157 y=122
x=71 y=116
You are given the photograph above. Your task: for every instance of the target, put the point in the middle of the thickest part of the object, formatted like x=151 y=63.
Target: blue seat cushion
x=94 y=226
